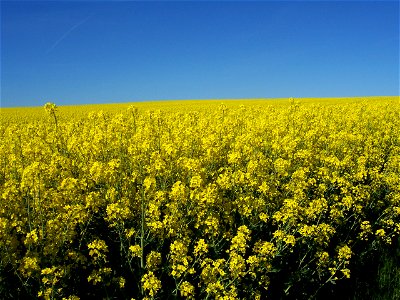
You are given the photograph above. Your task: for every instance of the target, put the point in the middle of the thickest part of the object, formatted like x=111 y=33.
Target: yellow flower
x=151 y=284
x=153 y=260
x=136 y=251
x=344 y=253
x=239 y=242
x=237 y=265
x=121 y=282
x=380 y=233
x=31 y=238
x=195 y=181
x=50 y=107
x=98 y=249
x=186 y=290
x=129 y=232
x=29 y=265
x=201 y=248
x=346 y=272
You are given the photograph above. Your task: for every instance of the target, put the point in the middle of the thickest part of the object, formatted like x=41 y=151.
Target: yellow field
x=224 y=199
x=68 y=111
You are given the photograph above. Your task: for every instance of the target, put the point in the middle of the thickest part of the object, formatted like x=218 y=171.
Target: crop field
x=221 y=199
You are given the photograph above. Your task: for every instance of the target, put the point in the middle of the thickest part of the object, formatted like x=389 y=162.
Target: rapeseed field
x=222 y=199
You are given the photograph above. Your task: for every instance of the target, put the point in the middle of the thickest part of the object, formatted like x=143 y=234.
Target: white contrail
x=66 y=34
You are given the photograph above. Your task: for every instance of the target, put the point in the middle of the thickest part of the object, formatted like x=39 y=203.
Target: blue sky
x=76 y=52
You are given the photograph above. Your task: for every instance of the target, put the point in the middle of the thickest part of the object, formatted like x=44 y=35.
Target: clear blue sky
x=98 y=52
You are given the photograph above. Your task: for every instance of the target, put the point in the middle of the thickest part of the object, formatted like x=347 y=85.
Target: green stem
x=142 y=231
